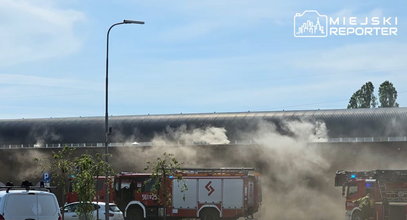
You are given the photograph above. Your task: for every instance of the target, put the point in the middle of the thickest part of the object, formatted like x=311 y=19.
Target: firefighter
x=366 y=205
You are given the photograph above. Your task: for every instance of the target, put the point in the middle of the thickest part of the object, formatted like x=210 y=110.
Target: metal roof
x=377 y=122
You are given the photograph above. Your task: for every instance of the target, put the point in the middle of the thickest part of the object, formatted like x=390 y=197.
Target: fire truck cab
x=199 y=193
x=100 y=190
x=387 y=188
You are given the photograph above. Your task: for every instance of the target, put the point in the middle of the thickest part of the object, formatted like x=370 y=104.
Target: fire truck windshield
x=352 y=189
x=125 y=184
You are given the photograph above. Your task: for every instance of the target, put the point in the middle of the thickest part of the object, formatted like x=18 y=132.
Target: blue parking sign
x=46 y=177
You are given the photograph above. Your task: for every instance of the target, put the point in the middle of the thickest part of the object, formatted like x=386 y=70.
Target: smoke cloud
x=43 y=135
x=297 y=168
x=297 y=178
x=183 y=136
x=21 y=164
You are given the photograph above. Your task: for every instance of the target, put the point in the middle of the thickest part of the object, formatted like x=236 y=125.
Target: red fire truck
x=100 y=190
x=388 y=189
x=199 y=193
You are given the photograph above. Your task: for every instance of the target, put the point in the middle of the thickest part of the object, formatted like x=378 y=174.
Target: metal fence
x=247 y=142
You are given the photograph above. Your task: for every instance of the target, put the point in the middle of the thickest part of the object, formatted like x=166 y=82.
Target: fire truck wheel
x=356 y=216
x=209 y=214
x=135 y=213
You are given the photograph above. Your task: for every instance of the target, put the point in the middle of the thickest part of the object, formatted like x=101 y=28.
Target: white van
x=28 y=205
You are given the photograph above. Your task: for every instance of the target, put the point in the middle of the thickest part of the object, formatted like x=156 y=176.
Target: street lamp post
x=107 y=130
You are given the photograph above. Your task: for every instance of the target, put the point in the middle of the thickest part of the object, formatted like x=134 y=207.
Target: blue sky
x=190 y=56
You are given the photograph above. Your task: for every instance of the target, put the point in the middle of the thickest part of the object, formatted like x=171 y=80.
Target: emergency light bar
x=343 y=176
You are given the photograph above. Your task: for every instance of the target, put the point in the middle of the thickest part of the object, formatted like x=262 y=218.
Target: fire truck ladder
x=243 y=170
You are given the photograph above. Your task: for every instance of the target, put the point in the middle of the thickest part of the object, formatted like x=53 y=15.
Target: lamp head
x=132 y=22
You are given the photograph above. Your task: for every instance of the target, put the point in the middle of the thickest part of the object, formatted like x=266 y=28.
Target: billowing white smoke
x=184 y=136
x=297 y=174
x=296 y=178
x=181 y=142
x=43 y=135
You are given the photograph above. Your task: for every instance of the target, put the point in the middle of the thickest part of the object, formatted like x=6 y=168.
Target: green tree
x=364 y=97
x=161 y=169
x=88 y=167
x=83 y=184
x=387 y=95
x=61 y=167
x=353 y=102
x=81 y=171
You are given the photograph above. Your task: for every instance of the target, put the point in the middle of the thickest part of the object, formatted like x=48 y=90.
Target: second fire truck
x=209 y=194
x=388 y=190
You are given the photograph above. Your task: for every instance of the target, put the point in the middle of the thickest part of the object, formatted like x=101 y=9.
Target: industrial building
x=343 y=126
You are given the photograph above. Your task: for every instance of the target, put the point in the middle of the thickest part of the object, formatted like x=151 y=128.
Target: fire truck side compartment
x=232 y=199
x=185 y=198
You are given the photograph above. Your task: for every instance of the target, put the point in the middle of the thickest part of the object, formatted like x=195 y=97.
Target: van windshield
x=21 y=205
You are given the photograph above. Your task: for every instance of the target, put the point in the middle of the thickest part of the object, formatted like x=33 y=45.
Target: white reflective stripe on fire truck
x=209 y=206
x=393 y=203
x=138 y=204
